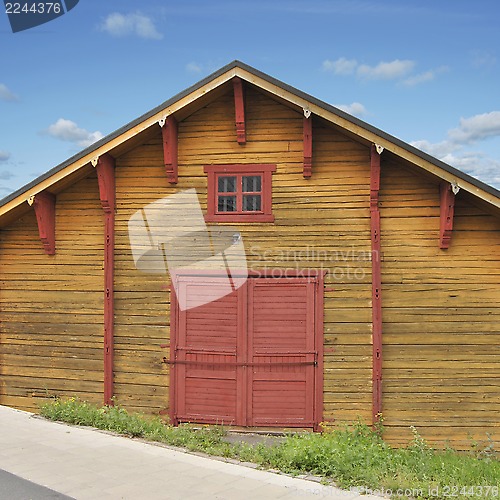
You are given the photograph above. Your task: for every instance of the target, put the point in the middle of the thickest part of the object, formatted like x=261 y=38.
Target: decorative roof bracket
x=308 y=143
x=170 y=147
x=447 y=194
x=105 y=167
x=44 y=204
x=239 y=107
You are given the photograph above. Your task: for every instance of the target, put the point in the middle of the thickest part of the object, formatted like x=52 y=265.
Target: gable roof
x=79 y=164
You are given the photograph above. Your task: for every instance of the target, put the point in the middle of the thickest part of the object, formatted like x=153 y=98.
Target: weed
x=353 y=456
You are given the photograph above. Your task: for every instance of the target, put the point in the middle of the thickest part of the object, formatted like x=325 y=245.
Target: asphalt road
x=15 y=488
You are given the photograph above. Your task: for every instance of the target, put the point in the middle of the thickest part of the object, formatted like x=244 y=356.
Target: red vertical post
x=308 y=145
x=239 y=108
x=170 y=148
x=106 y=177
x=376 y=284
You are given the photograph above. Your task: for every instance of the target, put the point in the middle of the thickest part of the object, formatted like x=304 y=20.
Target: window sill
x=239 y=218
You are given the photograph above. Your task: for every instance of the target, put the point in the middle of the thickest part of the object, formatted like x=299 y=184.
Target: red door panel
x=206 y=354
x=281 y=351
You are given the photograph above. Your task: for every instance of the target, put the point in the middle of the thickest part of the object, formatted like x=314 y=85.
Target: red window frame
x=264 y=171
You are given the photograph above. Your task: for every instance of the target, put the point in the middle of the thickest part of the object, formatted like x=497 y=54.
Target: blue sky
x=427 y=72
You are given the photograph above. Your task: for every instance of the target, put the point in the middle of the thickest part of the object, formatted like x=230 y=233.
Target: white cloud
x=386 y=70
x=5 y=175
x=5 y=191
x=193 y=67
x=6 y=94
x=471 y=162
x=478 y=165
x=438 y=149
x=68 y=131
x=420 y=78
x=355 y=108
x=480 y=58
x=4 y=155
x=341 y=66
x=476 y=128
x=427 y=76
x=470 y=131
x=393 y=70
x=138 y=24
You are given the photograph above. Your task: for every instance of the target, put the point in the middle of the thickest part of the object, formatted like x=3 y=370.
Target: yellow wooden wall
x=431 y=298
x=440 y=308
x=51 y=307
x=142 y=315
x=441 y=313
x=322 y=222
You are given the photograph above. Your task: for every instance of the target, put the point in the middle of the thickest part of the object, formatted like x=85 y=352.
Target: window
x=239 y=193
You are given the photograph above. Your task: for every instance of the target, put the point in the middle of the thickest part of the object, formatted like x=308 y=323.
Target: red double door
x=248 y=358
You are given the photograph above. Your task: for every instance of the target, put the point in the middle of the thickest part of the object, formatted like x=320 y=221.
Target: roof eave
x=119 y=136
x=277 y=88
x=373 y=135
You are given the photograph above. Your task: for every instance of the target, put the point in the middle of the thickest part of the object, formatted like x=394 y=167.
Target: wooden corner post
x=105 y=167
x=308 y=144
x=376 y=151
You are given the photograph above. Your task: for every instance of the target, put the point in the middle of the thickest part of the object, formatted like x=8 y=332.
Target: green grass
x=351 y=457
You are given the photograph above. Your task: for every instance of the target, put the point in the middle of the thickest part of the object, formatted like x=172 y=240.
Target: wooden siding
x=330 y=211
x=441 y=309
x=142 y=315
x=51 y=306
x=441 y=316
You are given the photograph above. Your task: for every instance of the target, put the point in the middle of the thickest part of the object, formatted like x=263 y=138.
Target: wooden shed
x=246 y=254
